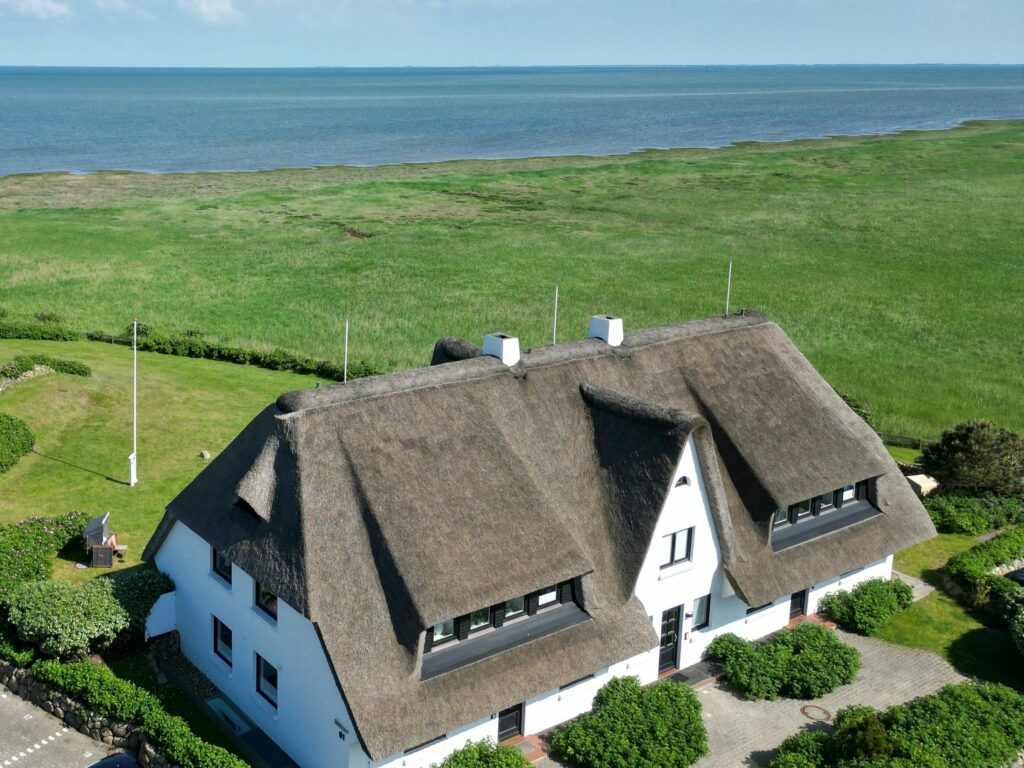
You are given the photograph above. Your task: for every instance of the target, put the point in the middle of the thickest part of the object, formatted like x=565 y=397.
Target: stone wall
x=1002 y=570
x=112 y=733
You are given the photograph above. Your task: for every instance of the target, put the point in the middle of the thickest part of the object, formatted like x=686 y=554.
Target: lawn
x=893 y=262
x=906 y=455
x=83 y=433
x=941 y=624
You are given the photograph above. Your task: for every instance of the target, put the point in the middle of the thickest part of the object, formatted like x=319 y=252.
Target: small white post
x=133 y=459
x=728 y=290
x=344 y=373
x=554 y=326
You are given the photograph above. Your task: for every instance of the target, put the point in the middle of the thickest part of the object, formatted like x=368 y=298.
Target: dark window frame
x=214 y=566
x=261 y=662
x=707 y=618
x=798 y=511
x=217 y=642
x=427 y=743
x=576 y=682
x=758 y=608
x=674 y=559
x=258 y=602
x=818 y=508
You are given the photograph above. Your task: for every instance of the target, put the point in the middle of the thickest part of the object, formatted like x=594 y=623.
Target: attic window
x=684 y=480
x=821 y=514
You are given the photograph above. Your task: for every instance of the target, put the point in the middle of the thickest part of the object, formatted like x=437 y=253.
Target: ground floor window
x=222 y=640
x=266 y=680
x=702 y=612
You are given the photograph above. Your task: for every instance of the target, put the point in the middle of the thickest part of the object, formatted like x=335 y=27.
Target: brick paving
x=745 y=733
x=31 y=738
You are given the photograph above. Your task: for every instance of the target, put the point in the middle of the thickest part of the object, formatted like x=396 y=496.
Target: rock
x=204 y=455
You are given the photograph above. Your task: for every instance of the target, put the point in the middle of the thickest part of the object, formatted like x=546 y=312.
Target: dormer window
x=479 y=619
x=799 y=511
x=514 y=607
x=820 y=514
x=547 y=597
x=825 y=503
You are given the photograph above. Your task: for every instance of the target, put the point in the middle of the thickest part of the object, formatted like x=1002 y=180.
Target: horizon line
x=503 y=66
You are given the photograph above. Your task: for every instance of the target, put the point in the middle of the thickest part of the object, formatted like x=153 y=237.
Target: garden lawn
x=892 y=261
x=83 y=434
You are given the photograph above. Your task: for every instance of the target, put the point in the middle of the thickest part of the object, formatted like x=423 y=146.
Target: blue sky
x=507 y=32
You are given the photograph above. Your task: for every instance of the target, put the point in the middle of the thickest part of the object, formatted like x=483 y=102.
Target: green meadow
x=895 y=263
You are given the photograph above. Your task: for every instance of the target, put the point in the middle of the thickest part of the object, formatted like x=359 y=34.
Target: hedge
x=973 y=515
x=98 y=689
x=16 y=439
x=136 y=590
x=977 y=457
x=802 y=663
x=22 y=364
x=484 y=754
x=653 y=727
x=27 y=548
x=37 y=331
x=868 y=606
x=65 y=620
x=967 y=725
x=972 y=569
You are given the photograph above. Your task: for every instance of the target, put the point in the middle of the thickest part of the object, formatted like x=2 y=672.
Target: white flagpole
x=344 y=373
x=728 y=289
x=133 y=459
x=554 y=326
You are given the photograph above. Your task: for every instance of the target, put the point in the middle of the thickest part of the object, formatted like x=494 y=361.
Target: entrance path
x=745 y=733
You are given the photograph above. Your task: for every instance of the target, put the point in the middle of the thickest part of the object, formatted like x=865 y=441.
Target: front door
x=798 y=604
x=669 y=639
x=510 y=722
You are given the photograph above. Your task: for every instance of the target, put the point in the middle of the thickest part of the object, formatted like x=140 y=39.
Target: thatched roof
x=384 y=505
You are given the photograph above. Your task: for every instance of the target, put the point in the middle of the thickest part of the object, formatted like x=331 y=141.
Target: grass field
x=893 y=262
x=83 y=433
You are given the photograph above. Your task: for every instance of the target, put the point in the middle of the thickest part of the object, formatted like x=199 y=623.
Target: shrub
x=484 y=754
x=871 y=603
x=136 y=590
x=972 y=569
x=977 y=457
x=64 y=620
x=651 y=727
x=16 y=439
x=967 y=725
x=802 y=663
x=37 y=331
x=27 y=548
x=24 y=363
x=972 y=515
x=860 y=409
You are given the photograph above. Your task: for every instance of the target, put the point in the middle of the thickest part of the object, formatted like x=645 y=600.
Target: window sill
x=758 y=615
x=265 y=616
x=675 y=570
x=265 y=705
x=220 y=580
x=224 y=667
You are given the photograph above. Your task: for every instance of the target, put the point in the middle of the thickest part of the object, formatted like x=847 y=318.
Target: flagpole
x=133 y=459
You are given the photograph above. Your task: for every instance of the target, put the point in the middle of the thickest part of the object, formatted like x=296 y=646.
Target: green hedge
x=24 y=363
x=37 y=331
x=16 y=439
x=977 y=457
x=973 y=515
x=136 y=590
x=868 y=606
x=192 y=344
x=972 y=569
x=27 y=548
x=98 y=689
x=484 y=754
x=65 y=620
x=653 y=727
x=802 y=663
x=962 y=726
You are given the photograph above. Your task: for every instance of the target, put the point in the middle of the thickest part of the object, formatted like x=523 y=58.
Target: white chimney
x=606 y=327
x=503 y=347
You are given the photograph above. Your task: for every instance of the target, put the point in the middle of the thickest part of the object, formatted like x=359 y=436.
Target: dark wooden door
x=669 y=639
x=510 y=722
x=798 y=604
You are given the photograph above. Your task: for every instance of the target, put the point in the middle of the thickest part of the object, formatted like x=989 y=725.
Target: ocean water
x=85 y=120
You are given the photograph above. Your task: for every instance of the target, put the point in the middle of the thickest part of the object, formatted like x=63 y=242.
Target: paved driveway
x=30 y=738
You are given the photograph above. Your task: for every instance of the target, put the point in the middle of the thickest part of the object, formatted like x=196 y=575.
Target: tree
x=977 y=457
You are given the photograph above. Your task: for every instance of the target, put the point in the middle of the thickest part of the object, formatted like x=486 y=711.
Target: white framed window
x=479 y=619
x=781 y=517
x=702 y=612
x=826 y=502
x=444 y=631
x=266 y=680
x=222 y=640
x=547 y=597
x=676 y=548
x=515 y=607
x=848 y=492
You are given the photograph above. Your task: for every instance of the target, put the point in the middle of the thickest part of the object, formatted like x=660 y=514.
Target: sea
x=175 y=120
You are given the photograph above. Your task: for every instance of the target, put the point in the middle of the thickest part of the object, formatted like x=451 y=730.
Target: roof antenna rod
x=728 y=290
x=554 y=326
x=344 y=372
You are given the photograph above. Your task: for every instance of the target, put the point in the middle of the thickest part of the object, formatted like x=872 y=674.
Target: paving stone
x=31 y=738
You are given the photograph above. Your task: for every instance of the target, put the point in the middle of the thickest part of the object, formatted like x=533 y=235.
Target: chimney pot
x=503 y=347
x=606 y=327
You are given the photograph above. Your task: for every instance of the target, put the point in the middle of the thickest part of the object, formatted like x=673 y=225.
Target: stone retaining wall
x=1002 y=570
x=110 y=732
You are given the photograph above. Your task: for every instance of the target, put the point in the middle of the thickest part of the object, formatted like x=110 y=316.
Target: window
x=757 y=608
x=444 y=632
x=515 y=607
x=676 y=547
x=266 y=601
x=702 y=612
x=266 y=680
x=847 y=493
x=479 y=619
x=410 y=750
x=781 y=517
x=222 y=566
x=222 y=640
x=684 y=480
x=576 y=682
x=799 y=511
x=861 y=490
x=825 y=502
x=547 y=597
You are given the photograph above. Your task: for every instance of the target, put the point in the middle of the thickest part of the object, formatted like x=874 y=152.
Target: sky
x=361 y=33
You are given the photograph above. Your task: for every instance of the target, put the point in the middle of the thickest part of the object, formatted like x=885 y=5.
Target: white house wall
x=309 y=702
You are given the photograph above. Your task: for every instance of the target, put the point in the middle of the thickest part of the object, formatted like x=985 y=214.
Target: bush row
x=24 y=363
x=484 y=754
x=868 y=606
x=37 y=331
x=16 y=439
x=630 y=725
x=192 y=344
x=973 y=515
x=962 y=726
x=27 y=548
x=802 y=663
x=972 y=569
x=100 y=690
